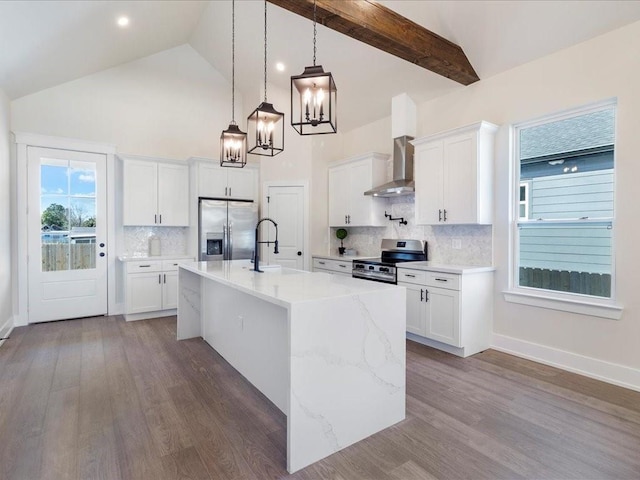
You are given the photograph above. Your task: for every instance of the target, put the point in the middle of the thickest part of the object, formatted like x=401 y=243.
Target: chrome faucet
x=256 y=255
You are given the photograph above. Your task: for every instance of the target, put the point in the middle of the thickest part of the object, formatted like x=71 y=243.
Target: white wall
x=5 y=218
x=599 y=69
x=172 y=104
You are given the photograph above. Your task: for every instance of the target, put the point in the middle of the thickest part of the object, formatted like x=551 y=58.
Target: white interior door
x=67 y=234
x=285 y=205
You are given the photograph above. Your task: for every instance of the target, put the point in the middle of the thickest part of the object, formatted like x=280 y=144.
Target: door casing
x=19 y=218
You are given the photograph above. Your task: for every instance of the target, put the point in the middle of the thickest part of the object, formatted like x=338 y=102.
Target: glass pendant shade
x=265 y=128
x=233 y=147
x=314 y=102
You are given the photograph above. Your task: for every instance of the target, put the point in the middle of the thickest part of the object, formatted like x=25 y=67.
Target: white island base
x=328 y=351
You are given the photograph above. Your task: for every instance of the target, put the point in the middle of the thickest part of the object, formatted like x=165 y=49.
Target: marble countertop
x=435 y=267
x=143 y=258
x=283 y=286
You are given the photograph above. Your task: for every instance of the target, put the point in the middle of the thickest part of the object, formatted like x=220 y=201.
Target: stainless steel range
x=394 y=251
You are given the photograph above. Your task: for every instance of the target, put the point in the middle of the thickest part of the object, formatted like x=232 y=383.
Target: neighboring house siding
x=573 y=248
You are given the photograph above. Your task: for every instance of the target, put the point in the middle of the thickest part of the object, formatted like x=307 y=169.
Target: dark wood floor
x=103 y=399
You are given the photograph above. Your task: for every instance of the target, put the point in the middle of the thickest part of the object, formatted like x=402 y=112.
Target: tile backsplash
x=475 y=241
x=173 y=240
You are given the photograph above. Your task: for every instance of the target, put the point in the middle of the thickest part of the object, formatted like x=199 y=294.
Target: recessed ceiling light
x=123 y=21
x=280 y=66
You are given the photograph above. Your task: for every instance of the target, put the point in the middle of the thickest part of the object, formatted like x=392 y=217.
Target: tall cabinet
x=454 y=176
x=155 y=193
x=348 y=180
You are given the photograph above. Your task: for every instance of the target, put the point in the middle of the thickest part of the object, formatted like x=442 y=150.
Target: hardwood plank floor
x=102 y=398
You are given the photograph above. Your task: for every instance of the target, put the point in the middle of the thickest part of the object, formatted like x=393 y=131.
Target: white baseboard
x=616 y=374
x=5 y=330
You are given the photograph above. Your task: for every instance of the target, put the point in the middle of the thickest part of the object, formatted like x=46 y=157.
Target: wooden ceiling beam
x=384 y=29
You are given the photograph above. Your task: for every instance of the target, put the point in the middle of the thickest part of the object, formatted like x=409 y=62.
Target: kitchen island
x=327 y=350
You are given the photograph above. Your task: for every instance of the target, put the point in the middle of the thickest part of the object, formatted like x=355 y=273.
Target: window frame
x=552 y=299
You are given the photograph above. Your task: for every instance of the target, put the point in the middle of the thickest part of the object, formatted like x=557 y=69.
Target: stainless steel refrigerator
x=226 y=229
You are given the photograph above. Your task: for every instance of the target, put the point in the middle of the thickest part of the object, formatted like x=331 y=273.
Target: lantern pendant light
x=233 y=141
x=314 y=98
x=265 y=124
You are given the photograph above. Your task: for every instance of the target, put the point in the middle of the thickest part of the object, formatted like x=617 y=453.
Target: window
x=565 y=203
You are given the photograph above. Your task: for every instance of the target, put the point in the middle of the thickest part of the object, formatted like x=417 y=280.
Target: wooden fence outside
x=597 y=284
x=66 y=256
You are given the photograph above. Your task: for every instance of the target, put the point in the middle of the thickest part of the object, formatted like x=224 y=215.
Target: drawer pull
x=144 y=266
x=409 y=275
x=442 y=279
x=342 y=265
x=321 y=263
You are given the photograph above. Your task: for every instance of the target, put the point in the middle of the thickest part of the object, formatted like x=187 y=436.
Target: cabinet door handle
x=345 y=219
x=159 y=278
x=160 y=218
x=165 y=278
x=225 y=191
x=439 y=215
x=229 y=191
x=349 y=217
x=155 y=218
x=421 y=295
x=426 y=295
x=445 y=215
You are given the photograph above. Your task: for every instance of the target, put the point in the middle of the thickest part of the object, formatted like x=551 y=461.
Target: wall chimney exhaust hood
x=403 y=129
x=402 y=183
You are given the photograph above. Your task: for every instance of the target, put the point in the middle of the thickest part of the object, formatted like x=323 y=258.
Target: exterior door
x=67 y=234
x=285 y=206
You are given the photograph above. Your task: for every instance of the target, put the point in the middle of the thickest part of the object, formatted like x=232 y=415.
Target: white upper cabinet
x=155 y=193
x=454 y=176
x=348 y=180
x=214 y=181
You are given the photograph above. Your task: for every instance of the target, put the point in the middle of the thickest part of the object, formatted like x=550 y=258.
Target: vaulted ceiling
x=46 y=43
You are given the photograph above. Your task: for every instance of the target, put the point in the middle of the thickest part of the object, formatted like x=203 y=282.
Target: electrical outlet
x=456 y=243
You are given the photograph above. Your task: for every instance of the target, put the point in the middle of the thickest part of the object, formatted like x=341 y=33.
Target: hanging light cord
x=265 y=51
x=314 y=33
x=233 y=60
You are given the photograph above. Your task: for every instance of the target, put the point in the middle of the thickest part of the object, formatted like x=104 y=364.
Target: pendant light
x=314 y=98
x=265 y=124
x=233 y=141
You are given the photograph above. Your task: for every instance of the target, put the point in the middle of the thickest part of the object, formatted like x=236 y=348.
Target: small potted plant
x=341 y=233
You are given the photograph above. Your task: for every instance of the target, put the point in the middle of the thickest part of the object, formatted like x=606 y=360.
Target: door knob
x=299 y=254
x=102 y=254
x=102 y=245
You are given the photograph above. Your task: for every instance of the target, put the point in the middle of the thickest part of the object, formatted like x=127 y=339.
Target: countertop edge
x=347 y=258
x=456 y=269
x=128 y=258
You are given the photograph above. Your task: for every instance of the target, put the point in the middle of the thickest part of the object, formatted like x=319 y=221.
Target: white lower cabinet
x=340 y=267
x=151 y=289
x=452 y=312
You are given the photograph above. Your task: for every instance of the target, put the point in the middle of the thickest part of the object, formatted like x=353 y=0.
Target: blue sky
x=68 y=184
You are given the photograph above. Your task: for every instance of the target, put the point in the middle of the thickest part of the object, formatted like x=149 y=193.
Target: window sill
x=591 y=308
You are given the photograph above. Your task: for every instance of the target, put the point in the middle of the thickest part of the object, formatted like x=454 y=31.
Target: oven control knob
x=384 y=269
x=358 y=266
x=371 y=267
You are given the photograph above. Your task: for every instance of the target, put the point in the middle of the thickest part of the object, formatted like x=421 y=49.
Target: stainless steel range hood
x=402 y=183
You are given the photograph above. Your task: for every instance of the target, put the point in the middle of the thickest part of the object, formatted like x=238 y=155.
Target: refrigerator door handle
x=224 y=242
x=230 y=242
